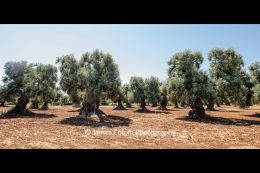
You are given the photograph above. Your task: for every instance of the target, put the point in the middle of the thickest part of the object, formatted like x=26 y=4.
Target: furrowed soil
x=59 y=127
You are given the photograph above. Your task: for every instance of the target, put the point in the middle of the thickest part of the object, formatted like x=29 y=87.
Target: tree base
x=143 y=110
x=45 y=106
x=15 y=112
x=84 y=113
x=198 y=111
x=194 y=115
x=20 y=108
x=119 y=108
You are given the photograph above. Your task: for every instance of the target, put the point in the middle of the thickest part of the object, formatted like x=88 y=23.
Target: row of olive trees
x=25 y=81
x=226 y=82
x=95 y=77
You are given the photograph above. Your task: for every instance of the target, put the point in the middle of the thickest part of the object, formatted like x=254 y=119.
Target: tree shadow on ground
x=257 y=115
x=152 y=112
x=110 y=121
x=4 y=116
x=222 y=121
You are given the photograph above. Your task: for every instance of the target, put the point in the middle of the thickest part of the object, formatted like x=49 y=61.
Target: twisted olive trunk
x=163 y=103
x=119 y=105
x=197 y=109
x=92 y=108
x=45 y=106
x=20 y=107
x=142 y=106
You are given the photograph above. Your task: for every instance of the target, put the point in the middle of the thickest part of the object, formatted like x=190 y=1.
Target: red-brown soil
x=59 y=127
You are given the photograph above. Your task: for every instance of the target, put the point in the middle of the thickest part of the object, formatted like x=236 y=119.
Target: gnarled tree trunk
x=163 y=104
x=20 y=107
x=92 y=108
x=120 y=105
x=198 y=110
x=249 y=97
x=75 y=100
x=45 y=106
x=142 y=106
x=34 y=105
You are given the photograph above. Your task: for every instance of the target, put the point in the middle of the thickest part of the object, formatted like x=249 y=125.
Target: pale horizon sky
x=139 y=50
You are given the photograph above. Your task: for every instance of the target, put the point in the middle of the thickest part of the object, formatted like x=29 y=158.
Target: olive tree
x=119 y=97
x=69 y=67
x=225 y=70
x=185 y=66
x=256 y=95
x=138 y=89
x=163 y=95
x=61 y=98
x=4 y=95
x=128 y=96
x=153 y=90
x=41 y=82
x=247 y=90
x=254 y=70
x=48 y=77
x=98 y=77
x=176 y=91
x=16 y=86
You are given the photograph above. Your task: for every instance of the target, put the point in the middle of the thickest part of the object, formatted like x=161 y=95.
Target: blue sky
x=139 y=50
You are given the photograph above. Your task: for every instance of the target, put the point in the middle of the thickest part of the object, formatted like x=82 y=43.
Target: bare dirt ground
x=59 y=127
